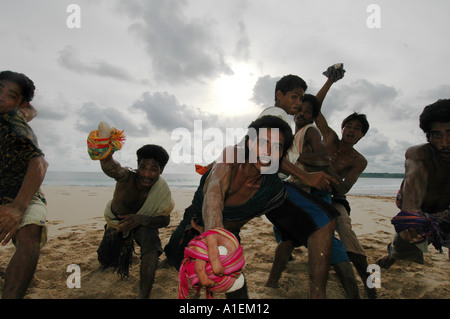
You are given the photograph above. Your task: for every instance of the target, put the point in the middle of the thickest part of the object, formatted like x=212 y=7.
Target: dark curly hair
x=314 y=103
x=151 y=151
x=25 y=84
x=439 y=111
x=289 y=83
x=360 y=117
x=270 y=121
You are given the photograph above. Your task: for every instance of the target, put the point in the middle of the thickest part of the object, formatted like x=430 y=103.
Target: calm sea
x=364 y=185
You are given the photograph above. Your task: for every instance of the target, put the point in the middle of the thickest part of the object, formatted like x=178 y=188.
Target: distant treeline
x=383 y=175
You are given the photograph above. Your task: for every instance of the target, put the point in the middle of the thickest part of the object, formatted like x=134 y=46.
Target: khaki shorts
x=36 y=214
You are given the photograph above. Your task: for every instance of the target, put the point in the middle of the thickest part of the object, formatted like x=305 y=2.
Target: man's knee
x=149 y=253
x=328 y=228
x=324 y=234
x=29 y=237
x=150 y=256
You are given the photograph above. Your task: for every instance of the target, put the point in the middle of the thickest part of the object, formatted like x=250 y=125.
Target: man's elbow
x=159 y=222
x=43 y=165
x=166 y=221
x=39 y=163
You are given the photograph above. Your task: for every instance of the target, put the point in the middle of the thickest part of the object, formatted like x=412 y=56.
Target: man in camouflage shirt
x=22 y=170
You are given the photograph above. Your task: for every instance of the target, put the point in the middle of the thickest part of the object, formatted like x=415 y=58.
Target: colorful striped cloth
x=422 y=223
x=197 y=249
x=100 y=148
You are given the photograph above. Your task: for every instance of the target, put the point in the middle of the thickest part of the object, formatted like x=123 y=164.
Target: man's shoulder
x=16 y=134
x=311 y=128
x=421 y=152
x=359 y=160
x=362 y=161
x=276 y=111
x=15 y=125
x=129 y=176
x=360 y=156
x=231 y=155
x=273 y=110
x=307 y=133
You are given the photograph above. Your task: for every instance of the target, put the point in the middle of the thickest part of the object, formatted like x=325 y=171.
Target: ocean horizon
x=370 y=186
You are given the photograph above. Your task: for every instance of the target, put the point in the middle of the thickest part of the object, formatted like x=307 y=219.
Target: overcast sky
x=153 y=67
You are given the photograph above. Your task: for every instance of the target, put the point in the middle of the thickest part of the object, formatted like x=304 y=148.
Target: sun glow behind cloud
x=218 y=61
x=234 y=92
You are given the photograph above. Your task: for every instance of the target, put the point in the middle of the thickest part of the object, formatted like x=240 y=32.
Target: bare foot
x=385 y=262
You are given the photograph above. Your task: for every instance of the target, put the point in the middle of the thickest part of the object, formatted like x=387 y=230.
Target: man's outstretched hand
x=335 y=72
x=213 y=242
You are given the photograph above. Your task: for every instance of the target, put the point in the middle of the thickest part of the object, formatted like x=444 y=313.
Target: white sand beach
x=75 y=218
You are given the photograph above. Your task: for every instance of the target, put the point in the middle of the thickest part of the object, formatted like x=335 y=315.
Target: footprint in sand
x=45 y=274
x=54 y=222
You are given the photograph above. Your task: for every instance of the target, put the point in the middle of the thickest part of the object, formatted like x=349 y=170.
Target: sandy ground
x=75 y=218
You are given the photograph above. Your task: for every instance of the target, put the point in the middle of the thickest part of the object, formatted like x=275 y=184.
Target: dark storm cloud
x=264 y=91
x=181 y=48
x=364 y=96
x=360 y=94
x=69 y=59
x=165 y=112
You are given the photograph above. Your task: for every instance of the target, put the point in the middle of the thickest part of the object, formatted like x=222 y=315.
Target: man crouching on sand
x=23 y=207
x=424 y=197
x=141 y=204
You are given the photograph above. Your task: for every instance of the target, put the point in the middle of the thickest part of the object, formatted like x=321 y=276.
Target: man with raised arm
x=347 y=164
x=309 y=153
x=141 y=204
x=289 y=93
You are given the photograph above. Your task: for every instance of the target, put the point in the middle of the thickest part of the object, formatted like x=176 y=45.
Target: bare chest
x=128 y=200
x=342 y=163
x=438 y=191
x=241 y=190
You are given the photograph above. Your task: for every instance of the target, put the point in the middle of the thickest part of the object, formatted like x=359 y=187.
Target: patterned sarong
x=422 y=223
x=197 y=249
x=100 y=148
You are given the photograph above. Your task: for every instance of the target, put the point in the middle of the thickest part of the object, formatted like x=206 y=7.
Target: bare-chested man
x=233 y=192
x=141 y=204
x=347 y=164
x=23 y=207
x=426 y=188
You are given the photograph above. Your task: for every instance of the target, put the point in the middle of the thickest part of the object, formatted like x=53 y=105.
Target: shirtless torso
x=229 y=184
x=347 y=164
x=128 y=199
x=426 y=186
x=131 y=191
